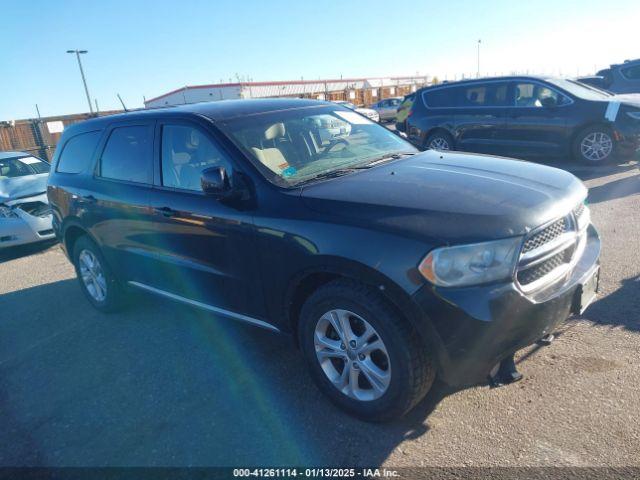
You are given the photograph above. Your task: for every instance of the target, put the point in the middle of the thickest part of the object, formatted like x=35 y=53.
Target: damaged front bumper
x=480 y=326
x=29 y=222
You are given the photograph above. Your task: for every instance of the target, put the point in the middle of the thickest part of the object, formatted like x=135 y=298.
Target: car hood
x=449 y=197
x=628 y=99
x=20 y=187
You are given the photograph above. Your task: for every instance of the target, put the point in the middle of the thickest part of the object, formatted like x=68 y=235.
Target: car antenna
x=123 y=105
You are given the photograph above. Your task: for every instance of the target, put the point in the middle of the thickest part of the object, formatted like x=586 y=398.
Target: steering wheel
x=333 y=143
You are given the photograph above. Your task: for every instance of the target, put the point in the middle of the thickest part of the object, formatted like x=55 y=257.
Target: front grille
x=579 y=210
x=550 y=233
x=530 y=275
x=540 y=258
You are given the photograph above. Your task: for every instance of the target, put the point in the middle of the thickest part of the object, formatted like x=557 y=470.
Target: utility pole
x=478 y=73
x=84 y=80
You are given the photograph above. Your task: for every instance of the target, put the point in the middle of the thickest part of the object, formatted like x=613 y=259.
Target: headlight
x=634 y=115
x=472 y=264
x=7 y=212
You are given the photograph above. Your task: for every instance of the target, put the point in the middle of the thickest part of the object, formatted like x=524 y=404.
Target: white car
x=25 y=216
x=328 y=128
x=367 y=112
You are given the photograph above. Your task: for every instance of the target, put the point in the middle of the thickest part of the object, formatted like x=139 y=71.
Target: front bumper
x=480 y=326
x=628 y=139
x=24 y=229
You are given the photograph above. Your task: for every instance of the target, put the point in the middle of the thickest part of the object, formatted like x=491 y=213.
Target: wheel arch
x=438 y=129
x=305 y=282
x=586 y=125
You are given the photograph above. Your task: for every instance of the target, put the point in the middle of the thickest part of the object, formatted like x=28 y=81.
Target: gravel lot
x=165 y=385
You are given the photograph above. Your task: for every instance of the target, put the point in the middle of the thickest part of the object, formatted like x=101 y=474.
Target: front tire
x=594 y=146
x=96 y=279
x=361 y=353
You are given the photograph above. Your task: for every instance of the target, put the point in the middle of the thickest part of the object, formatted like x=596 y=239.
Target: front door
x=206 y=250
x=537 y=123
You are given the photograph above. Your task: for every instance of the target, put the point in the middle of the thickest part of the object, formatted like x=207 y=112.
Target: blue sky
x=147 y=48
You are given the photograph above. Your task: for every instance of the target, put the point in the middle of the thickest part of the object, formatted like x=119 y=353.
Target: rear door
x=205 y=247
x=537 y=122
x=117 y=206
x=481 y=117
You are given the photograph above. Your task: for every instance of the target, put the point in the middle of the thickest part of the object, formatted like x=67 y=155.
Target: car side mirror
x=548 y=102
x=215 y=182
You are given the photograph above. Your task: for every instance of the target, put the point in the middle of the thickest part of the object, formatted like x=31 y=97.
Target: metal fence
x=38 y=136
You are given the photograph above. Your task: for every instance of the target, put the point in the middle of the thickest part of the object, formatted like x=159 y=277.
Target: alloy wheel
x=92 y=275
x=439 y=143
x=352 y=355
x=596 y=146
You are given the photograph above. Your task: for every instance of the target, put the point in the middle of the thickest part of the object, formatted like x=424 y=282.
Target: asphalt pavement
x=165 y=385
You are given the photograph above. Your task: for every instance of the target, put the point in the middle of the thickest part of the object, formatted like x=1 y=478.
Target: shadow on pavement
x=615 y=189
x=621 y=308
x=163 y=385
x=13 y=253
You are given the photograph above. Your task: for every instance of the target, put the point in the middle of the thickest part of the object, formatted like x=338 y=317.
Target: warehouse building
x=360 y=91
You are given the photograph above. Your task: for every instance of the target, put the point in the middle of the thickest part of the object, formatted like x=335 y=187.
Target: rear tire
x=594 y=146
x=440 y=141
x=380 y=383
x=96 y=279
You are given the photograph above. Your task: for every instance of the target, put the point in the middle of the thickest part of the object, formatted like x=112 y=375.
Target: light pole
x=478 y=73
x=84 y=80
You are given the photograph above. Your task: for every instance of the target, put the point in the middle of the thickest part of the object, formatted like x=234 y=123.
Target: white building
x=358 y=90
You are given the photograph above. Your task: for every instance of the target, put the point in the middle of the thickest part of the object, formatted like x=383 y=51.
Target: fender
x=328 y=268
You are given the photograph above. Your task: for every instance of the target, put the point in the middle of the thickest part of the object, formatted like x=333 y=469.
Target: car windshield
x=580 y=90
x=299 y=145
x=22 y=166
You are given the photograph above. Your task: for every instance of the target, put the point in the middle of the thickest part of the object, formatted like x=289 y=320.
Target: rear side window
x=631 y=73
x=441 y=98
x=78 y=152
x=489 y=95
x=127 y=155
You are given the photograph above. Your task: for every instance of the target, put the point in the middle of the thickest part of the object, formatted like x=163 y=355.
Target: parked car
x=25 y=216
x=526 y=117
x=387 y=108
x=403 y=112
x=594 y=81
x=367 y=112
x=622 y=78
x=386 y=265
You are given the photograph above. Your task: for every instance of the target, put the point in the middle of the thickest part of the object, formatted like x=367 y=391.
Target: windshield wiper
x=346 y=170
x=384 y=158
x=330 y=174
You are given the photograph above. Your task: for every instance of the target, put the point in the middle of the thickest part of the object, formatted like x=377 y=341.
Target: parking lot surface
x=164 y=385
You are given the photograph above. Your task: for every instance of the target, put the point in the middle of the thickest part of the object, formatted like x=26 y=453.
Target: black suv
x=386 y=265
x=621 y=78
x=525 y=117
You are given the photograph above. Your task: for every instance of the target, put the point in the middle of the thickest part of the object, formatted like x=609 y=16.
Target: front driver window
x=535 y=95
x=186 y=152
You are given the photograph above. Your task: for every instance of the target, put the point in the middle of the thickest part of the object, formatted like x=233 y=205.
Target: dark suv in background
x=621 y=78
x=386 y=265
x=525 y=117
